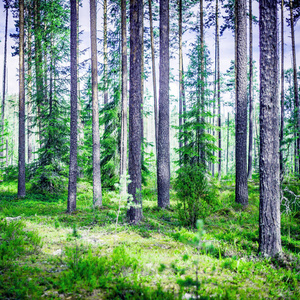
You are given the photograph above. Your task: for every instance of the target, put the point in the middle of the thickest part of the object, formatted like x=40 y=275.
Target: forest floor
x=46 y=253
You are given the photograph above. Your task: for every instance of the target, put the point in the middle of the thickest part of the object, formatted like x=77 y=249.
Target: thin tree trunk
x=135 y=101
x=97 y=193
x=21 y=177
x=202 y=63
x=4 y=81
x=105 y=52
x=29 y=101
x=218 y=91
x=153 y=77
x=269 y=205
x=241 y=188
x=163 y=160
x=180 y=76
x=296 y=94
x=123 y=160
x=282 y=92
x=73 y=130
x=38 y=65
x=250 y=150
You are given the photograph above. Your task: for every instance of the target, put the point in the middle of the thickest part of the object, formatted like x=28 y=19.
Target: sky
x=226 y=44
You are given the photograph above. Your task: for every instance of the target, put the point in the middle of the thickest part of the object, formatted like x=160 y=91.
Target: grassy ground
x=50 y=254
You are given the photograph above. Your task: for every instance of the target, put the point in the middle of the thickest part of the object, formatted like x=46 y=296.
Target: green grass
x=51 y=254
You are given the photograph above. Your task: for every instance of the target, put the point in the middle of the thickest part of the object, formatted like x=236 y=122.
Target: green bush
x=195 y=194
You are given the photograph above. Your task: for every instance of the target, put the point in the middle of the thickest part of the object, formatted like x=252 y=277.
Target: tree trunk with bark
x=241 y=188
x=105 y=52
x=153 y=77
x=72 y=188
x=123 y=160
x=269 y=207
x=282 y=92
x=21 y=177
x=97 y=192
x=250 y=150
x=163 y=159
x=135 y=101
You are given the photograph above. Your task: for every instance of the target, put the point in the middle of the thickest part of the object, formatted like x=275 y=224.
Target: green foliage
x=195 y=193
x=15 y=241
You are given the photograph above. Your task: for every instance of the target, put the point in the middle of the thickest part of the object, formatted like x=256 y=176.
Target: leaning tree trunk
x=269 y=207
x=250 y=94
x=282 y=92
x=97 y=193
x=21 y=177
x=123 y=160
x=135 y=101
x=241 y=188
x=73 y=130
x=296 y=93
x=163 y=159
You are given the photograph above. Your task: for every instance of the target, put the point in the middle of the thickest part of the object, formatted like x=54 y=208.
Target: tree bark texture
x=29 y=101
x=123 y=162
x=282 y=92
x=105 y=52
x=163 y=160
x=269 y=208
x=181 y=83
x=296 y=94
x=227 y=144
x=135 y=101
x=250 y=149
x=73 y=126
x=154 y=76
x=21 y=177
x=97 y=192
x=241 y=188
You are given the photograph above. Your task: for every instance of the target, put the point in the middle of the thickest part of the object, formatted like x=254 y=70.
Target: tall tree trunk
x=269 y=207
x=218 y=91
x=250 y=150
x=105 y=52
x=123 y=160
x=154 y=77
x=29 y=101
x=21 y=177
x=73 y=130
x=135 y=101
x=180 y=75
x=4 y=84
x=296 y=93
x=163 y=160
x=241 y=188
x=97 y=193
x=202 y=63
x=282 y=92
x=38 y=65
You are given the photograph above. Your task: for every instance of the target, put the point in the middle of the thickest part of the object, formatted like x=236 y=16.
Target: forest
x=149 y=149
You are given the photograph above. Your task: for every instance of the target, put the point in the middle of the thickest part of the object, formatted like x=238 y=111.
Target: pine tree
x=163 y=159
x=73 y=131
x=269 y=207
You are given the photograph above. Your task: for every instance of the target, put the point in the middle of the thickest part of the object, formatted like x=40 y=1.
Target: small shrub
x=195 y=194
